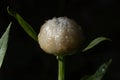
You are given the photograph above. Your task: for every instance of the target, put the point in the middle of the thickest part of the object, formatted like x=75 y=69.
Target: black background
x=24 y=59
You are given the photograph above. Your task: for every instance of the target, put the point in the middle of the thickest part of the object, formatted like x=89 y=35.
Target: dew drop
x=103 y=69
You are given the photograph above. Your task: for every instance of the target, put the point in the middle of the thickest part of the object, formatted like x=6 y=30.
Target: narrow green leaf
x=27 y=27
x=98 y=75
x=95 y=42
x=3 y=43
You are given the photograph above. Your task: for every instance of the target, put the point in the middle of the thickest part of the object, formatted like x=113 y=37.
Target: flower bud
x=60 y=36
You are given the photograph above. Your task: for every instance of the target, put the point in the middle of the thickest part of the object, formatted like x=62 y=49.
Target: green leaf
x=3 y=43
x=27 y=27
x=95 y=42
x=98 y=75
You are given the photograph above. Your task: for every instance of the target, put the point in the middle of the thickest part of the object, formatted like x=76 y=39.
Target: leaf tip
x=95 y=42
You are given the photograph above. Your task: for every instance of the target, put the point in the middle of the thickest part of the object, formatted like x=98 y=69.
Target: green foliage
x=27 y=27
x=3 y=43
x=95 y=42
x=98 y=75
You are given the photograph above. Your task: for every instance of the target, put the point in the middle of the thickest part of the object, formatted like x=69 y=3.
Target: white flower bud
x=60 y=36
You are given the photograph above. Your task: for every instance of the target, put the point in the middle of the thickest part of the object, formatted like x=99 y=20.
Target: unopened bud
x=60 y=36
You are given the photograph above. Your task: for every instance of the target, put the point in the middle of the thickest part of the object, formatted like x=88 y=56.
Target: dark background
x=24 y=59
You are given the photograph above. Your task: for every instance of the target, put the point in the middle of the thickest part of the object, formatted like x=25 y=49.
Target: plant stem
x=61 y=67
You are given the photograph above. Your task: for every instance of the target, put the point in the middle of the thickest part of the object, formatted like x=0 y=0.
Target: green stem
x=61 y=67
